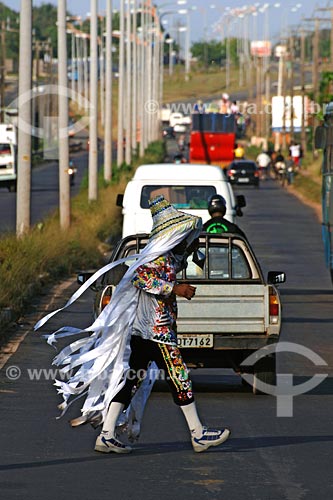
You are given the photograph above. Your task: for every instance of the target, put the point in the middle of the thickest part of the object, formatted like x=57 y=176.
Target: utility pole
x=303 y=131
x=102 y=71
x=85 y=63
x=267 y=98
x=329 y=9
x=227 y=64
x=93 y=124
x=315 y=55
x=143 y=89
x=284 y=92
x=24 y=135
x=64 y=185
x=108 y=95
x=292 y=111
x=315 y=60
x=2 y=70
x=134 y=82
x=259 y=66
x=128 y=145
x=315 y=68
x=120 y=142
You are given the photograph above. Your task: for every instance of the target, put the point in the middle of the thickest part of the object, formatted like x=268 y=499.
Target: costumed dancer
x=137 y=327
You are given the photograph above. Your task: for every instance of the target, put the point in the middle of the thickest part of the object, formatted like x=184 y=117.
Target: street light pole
x=134 y=86
x=120 y=141
x=93 y=122
x=23 y=196
x=128 y=66
x=108 y=95
x=303 y=131
x=187 y=45
x=64 y=185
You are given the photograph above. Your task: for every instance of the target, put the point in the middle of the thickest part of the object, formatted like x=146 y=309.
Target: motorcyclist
x=217 y=224
x=71 y=172
x=239 y=152
x=279 y=165
x=179 y=158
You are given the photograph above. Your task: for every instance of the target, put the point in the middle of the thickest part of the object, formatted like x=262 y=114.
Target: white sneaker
x=209 y=437
x=110 y=445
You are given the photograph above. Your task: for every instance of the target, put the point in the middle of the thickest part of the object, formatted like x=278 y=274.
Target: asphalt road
x=267 y=457
x=44 y=191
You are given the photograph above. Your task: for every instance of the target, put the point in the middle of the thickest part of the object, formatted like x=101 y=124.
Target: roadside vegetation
x=46 y=254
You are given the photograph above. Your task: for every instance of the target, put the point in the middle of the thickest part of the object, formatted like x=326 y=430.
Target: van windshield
x=186 y=197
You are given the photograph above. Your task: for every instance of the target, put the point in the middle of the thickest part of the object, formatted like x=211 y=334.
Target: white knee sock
x=192 y=419
x=110 y=421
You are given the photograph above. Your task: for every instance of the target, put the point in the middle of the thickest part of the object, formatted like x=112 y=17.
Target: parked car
x=236 y=311
x=243 y=172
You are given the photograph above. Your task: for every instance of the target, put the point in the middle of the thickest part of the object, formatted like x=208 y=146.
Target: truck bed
x=224 y=309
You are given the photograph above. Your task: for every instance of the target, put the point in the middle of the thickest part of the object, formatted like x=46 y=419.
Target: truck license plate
x=189 y=340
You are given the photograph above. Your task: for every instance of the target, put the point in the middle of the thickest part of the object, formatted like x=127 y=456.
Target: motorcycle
x=281 y=172
x=71 y=173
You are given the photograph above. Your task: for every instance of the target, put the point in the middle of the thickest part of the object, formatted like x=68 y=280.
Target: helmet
x=217 y=203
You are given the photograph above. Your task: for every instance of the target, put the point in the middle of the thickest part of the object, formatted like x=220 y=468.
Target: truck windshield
x=219 y=265
x=182 y=197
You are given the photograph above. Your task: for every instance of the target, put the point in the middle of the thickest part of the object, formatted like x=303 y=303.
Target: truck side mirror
x=276 y=277
x=120 y=199
x=320 y=137
x=83 y=276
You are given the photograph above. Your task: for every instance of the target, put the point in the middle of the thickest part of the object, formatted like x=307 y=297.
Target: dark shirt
x=279 y=158
x=218 y=225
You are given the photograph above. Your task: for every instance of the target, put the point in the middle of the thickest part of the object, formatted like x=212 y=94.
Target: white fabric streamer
x=100 y=361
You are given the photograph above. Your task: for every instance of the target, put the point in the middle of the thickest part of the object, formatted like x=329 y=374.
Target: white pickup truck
x=234 y=313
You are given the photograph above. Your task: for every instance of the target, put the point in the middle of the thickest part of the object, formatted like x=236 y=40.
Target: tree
x=214 y=51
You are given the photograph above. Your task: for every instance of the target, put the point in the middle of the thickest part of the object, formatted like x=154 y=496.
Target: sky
x=279 y=15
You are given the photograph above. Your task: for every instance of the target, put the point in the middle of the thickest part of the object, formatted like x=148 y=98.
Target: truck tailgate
x=229 y=309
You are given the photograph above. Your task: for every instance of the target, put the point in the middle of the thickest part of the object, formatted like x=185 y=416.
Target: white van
x=186 y=186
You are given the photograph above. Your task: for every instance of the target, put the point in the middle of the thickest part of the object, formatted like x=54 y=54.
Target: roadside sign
x=261 y=48
x=282 y=112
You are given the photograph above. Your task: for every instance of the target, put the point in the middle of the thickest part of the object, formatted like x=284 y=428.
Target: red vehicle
x=213 y=138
